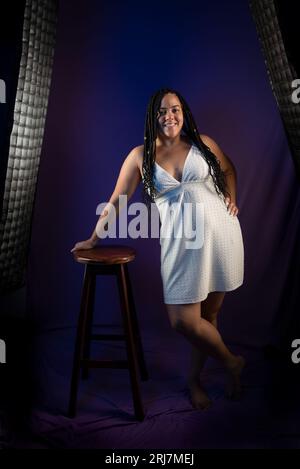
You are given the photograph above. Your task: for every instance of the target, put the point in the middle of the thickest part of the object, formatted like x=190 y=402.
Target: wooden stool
x=108 y=260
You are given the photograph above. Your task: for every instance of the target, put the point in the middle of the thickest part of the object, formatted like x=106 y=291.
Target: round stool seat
x=108 y=255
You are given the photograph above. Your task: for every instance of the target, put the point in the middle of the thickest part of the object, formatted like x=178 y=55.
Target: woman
x=181 y=168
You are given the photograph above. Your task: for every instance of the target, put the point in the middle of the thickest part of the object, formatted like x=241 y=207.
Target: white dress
x=201 y=243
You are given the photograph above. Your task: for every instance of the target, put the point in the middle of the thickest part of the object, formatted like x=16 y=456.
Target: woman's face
x=170 y=116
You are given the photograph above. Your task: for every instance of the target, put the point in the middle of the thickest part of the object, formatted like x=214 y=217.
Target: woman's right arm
x=127 y=182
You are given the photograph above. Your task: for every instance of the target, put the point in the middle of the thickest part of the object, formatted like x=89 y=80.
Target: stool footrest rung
x=108 y=337
x=105 y=364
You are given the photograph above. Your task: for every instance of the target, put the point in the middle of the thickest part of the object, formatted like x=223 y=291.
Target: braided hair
x=191 y=131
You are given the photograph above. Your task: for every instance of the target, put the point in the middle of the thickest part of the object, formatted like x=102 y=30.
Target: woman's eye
x=162 y=113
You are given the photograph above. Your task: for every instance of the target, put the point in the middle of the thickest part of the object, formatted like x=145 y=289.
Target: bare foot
x=198 y=396
x=234 y=389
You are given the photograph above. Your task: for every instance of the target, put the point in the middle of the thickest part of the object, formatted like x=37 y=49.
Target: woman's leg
x=210 y=308
x=187 y=320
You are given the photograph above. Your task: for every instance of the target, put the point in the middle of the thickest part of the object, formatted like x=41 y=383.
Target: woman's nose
x=168 y=115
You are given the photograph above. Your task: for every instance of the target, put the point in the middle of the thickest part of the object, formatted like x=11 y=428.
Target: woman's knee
x=211 y=316
x=211 y=306
x=179 y=324
x=182 y=317
x=176 y=321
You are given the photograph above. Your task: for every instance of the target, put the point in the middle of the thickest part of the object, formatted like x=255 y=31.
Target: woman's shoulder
x=209 y=142
x=206 y=139
x=139 y=150
x=137 y=154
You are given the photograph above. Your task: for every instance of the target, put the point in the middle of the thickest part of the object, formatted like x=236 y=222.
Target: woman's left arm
x=229 y=170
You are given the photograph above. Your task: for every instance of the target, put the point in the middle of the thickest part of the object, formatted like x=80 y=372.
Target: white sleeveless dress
x=201 y=243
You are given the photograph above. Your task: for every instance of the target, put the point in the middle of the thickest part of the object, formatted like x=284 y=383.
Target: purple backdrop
x=110 y=57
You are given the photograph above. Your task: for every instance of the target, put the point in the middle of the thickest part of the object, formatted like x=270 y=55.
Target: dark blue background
x=110 y=57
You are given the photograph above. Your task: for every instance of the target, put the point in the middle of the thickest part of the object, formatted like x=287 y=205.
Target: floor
x=267 y=416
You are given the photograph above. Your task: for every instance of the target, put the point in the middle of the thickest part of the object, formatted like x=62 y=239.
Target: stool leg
x=89 y=323
x=130 y=343
x=81 y=329
x=136 y=329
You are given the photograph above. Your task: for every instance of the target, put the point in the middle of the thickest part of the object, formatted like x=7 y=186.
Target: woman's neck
x=168 y=142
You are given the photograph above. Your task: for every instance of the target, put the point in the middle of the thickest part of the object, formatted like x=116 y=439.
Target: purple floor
x=267 y=416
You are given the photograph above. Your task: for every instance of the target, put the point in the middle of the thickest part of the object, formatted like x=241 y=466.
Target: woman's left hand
x=231 y=207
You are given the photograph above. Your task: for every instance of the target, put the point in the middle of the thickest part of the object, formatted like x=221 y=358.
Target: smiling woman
x=170 y=121
x=178 y=166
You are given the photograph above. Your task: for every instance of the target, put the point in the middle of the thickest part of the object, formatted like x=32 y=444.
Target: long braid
x=191 y=131
x=190 y=128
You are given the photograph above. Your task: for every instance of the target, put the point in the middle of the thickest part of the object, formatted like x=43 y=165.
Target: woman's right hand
x=87 y=244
